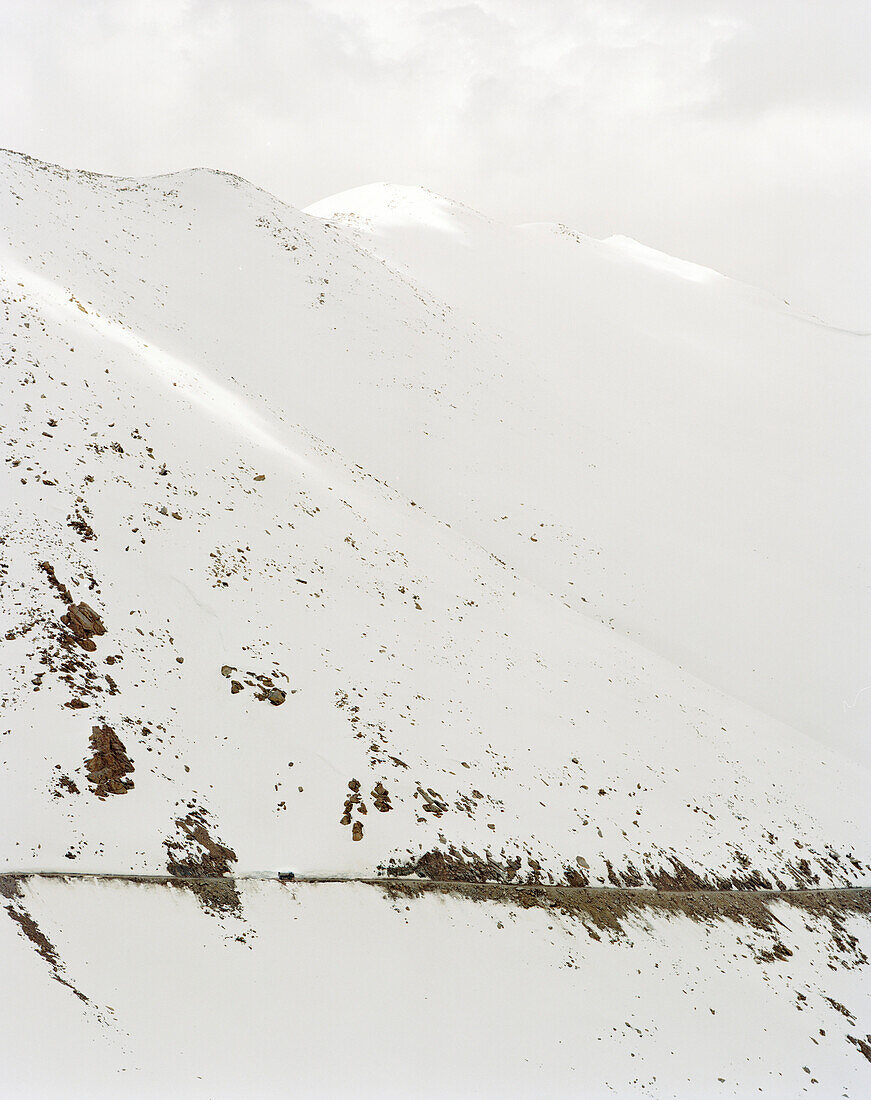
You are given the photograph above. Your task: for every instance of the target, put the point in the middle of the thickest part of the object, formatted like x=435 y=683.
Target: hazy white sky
x=736 y=134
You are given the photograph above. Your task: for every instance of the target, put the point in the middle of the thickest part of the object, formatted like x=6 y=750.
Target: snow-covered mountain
x=382 y=537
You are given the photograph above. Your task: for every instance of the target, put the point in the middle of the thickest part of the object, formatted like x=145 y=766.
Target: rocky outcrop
x=109 y=766
x=84 y=624
x=200 y=863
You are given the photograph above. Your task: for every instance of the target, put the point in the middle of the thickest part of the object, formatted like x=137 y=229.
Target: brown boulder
x=108 y=767
x=84 y=623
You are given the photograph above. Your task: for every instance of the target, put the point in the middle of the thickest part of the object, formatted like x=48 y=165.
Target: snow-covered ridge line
x=366 y=204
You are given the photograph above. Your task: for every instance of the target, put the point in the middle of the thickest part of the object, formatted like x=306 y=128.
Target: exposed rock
x=57 y=585
x=381 y=798
x=614 y=911
x=10 y=888
x=81 y=526
x=433 y=803
x=680 y=877
x=574 y=876
x=193 y=856
x=205 y=856
x=862 y=1045
x=110 y=763
x=64 y=783
x=354 y=801
x=84 y=623
x=455 y=866
x=264 y=686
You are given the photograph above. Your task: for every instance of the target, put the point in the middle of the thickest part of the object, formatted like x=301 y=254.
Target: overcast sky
x=736 y=134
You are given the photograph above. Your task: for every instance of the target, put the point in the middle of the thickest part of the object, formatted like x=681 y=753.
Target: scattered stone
x=57 y=585
x=433 y=803
x=352 y=802
x=64 y=783
x=81 y=526
x=381 y=798
x=840 y=1008
x=264 y=686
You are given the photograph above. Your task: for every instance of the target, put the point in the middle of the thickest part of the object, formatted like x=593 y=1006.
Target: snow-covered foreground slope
x=495 y=554
x=337 y=990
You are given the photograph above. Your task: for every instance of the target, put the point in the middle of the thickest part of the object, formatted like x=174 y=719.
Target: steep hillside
x=689 y=454
x=193 y=374
x=383 y=539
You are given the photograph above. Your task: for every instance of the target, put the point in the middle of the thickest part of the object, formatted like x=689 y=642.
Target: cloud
x=734 y=134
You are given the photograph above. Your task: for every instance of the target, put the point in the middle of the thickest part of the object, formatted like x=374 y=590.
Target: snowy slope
x=335 y=990
x=191 y=334
x=414 y=538
x=690 y=454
